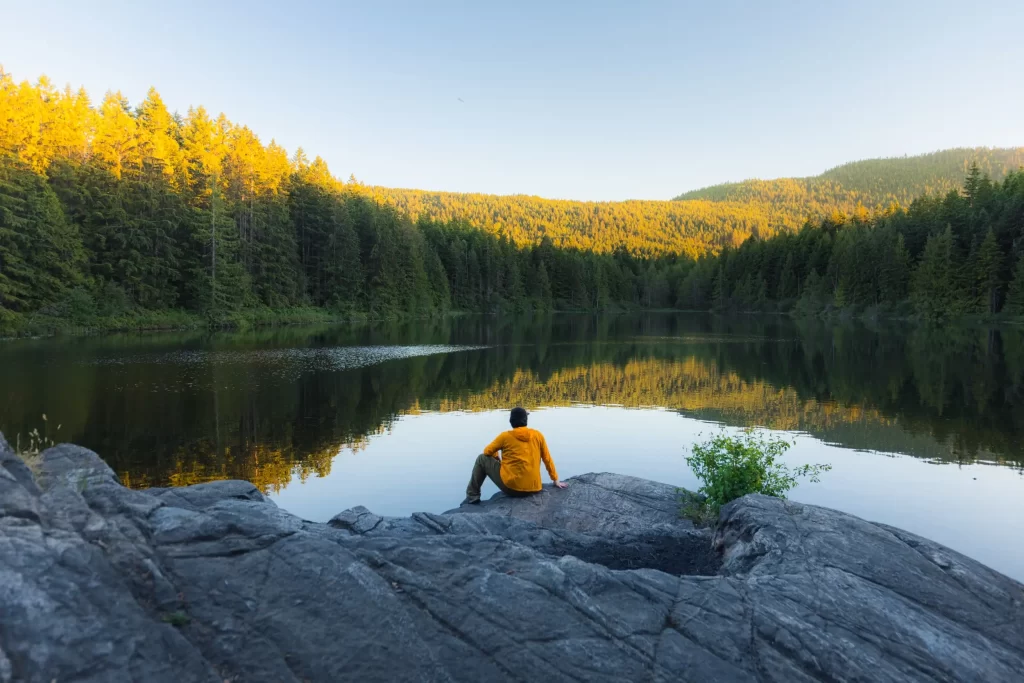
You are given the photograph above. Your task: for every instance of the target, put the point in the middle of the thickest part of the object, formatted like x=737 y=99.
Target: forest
x=120 y=216
x=871 y=182
x=111 y=212
x=941 y=258
x=712 y=218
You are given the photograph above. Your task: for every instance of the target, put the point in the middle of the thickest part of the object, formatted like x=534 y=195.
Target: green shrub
x=113 y=301
x=730 y=467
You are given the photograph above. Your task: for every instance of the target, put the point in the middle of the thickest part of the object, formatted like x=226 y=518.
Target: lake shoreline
x=179 y=320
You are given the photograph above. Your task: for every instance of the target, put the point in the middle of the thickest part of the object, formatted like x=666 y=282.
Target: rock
x=67 y=608
x=624 y=504
x=202 y=496
x=599 y=582
x=358 y=520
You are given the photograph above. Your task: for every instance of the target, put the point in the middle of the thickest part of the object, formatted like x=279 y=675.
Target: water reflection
x=423 y=464
x=272 y=405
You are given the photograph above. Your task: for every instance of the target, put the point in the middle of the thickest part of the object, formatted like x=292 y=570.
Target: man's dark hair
x=518 y=417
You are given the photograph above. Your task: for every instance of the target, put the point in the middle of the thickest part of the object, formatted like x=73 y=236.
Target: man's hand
x=561 y=484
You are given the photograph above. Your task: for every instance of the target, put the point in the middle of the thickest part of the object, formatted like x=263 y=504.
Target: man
x=517 y=471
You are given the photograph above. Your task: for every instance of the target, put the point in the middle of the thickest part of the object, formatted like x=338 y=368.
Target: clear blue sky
x=583 y=100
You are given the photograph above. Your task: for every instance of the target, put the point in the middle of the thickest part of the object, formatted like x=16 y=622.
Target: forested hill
x=712 y=218
x=113 y=212
x=643 y=228
x=875 y=183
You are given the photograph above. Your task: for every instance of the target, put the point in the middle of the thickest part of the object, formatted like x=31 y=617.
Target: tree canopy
x=108 y=209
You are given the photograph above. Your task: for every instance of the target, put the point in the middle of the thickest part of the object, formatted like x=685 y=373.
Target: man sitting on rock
x=517 y=471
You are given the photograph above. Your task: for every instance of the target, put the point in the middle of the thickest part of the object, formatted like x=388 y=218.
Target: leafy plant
x=730 y=467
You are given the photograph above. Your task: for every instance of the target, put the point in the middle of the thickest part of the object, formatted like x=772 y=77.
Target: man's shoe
x=470 y=501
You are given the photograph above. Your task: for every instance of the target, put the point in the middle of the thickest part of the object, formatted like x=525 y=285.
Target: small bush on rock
x=730 y=467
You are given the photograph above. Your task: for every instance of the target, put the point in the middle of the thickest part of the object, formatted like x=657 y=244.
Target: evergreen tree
x=40 y=251
x=986 y=268
x=514 y=289
x=787 y=280
x=972 y=183
x=1015 y=293
x=438 y=283
x=812 y=297
x=936 y=286
x=720 y=292
x=894 y=271
x=542 y=287
x=474 y=283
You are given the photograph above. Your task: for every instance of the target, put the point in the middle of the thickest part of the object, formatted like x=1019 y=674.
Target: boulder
x=599 y=582
x=595 y=504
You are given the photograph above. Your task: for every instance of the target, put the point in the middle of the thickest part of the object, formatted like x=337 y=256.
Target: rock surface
x=601 y=582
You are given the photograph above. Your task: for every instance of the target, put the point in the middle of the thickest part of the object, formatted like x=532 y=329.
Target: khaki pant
x=484 y=467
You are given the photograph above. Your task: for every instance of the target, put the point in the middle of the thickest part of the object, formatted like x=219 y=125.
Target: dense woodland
x=943 y=257
x=111 y=212
x=712 y=218
x=642 y=228
x=871 y=182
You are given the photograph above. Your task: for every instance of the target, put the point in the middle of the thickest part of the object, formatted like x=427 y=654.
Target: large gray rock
x=595 y=503
x=599 y=582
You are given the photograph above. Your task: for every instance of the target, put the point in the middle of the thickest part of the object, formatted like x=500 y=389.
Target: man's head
x=518 y=417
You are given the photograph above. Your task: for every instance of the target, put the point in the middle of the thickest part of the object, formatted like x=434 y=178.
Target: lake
x=923 y=427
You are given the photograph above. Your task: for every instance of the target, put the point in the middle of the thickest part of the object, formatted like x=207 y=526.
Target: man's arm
x=495 y=446
x=549 y=464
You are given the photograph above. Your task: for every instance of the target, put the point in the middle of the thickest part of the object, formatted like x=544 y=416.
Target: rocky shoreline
x=601 y=582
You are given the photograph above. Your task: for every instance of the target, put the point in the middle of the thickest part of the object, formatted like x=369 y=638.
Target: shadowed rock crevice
x=679 y=554
x=599 y=582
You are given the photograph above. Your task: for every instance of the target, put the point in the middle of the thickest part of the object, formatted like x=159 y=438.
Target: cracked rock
x=600 y=582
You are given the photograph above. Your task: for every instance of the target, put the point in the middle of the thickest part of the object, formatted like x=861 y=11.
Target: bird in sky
x=462 y=100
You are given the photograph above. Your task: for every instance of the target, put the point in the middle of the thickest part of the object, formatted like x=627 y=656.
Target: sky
x=576 y=100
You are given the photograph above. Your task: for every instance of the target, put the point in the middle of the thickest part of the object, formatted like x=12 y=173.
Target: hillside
x=642 y=227
x=872 y=182
x=711 y=218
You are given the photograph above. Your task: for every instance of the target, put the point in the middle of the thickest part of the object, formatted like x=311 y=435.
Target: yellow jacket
x=522 y=450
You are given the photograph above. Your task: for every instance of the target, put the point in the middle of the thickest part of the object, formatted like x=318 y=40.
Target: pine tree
x=986 y=265
x=936 y=291
x=474 y=284
x=972 y=183
x=40 y=251
x=438 y=282
x=812 y=297
x=719 y=293
x=456 y=266
x=344 y=270
x=894 y=271
x=542 y=287
x=1015 y=293
x=116 y=143
x=578 y=295
x=514 y=290
x=787 y=279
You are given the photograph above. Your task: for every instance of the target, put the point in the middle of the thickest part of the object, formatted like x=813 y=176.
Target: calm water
x=923 y=428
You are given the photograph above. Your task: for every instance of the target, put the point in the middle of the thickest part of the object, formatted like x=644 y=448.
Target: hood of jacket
x=522 y=433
